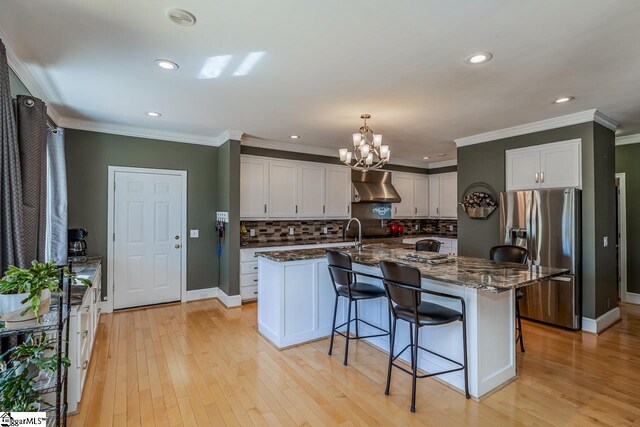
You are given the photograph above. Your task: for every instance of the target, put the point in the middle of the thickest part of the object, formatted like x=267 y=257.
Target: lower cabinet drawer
x=248 y=267
x=248 y=280
x=249 y=293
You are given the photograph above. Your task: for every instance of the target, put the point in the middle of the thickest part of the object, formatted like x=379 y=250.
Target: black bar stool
x=346 y=285
x=428 y=245
x=518 y=255
x=402 y=284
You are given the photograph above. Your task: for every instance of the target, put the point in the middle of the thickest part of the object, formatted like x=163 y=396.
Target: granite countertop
x=84 y=270
x=470 y=272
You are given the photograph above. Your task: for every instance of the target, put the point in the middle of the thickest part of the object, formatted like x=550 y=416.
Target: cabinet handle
x=296 y=208
x=323 y=209
x=255 y=280
x=438 y=211
x=415 y=210
x=265 y=208
x=255 y=268
x=255 y=293
x=537 y=177
x=541 y=176
x=348 y=207
x=85 y=364
x=396 y=211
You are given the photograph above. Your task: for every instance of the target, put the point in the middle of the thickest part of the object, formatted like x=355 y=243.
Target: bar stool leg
x=519 y=326
x=392 y=342
x=357 y=328
x=464 y=352
x=333 y=327
x=411 y=343
x=346 y=349
x=414 y=359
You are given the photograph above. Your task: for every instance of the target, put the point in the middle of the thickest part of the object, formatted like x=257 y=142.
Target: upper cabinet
x=283 y=189
x=413 y=190
x=253 y=187
x=443 y=195
x=556 y=165
x=338 y=192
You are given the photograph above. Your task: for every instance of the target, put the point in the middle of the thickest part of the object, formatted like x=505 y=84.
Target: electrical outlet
x=252 y=232
x=451 y=228
x=605 y=241
x=194 y=234
x=324 y=230
x=292 y=231
x=416 y=227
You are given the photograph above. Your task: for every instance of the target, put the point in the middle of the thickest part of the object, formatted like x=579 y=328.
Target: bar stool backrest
x=404 y=275
x=509 y=253
x=340 y=260
x=428 y=245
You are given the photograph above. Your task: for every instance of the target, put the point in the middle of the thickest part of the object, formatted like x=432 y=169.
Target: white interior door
x=147 y=252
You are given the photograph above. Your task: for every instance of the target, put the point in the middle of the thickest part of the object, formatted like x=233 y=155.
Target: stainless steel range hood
x=373 y=187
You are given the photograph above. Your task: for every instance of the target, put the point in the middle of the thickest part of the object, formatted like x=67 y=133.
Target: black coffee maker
x=77 y=245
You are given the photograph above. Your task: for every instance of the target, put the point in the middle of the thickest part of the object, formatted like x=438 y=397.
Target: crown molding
x=443 y=164
x=29 y=80
x=542 y=125
x=212 y=141
x=628 y=139
x=319 y=151
x=230 y=134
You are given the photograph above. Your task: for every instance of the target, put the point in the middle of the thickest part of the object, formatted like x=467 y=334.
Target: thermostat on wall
x=222 y=216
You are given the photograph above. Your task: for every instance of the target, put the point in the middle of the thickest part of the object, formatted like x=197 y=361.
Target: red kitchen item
x=394 y=229
x=400 y=230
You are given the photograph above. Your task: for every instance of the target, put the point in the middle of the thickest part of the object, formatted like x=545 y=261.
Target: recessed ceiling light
x=181 y=17
x=426 y=158
x=479 y=58
x=563 y=99
x=153 y=114
x=165 y=64
x=295 y=137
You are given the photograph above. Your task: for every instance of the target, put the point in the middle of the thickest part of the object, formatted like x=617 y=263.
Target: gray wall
x=627 y=161
x=88 y=156
x=486 y=163
x=17 y=88
x=228 y=199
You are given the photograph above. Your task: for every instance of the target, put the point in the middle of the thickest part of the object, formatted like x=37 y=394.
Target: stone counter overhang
x=477 y=273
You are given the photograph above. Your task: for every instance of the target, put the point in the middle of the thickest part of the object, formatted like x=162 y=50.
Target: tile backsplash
x=312 y=230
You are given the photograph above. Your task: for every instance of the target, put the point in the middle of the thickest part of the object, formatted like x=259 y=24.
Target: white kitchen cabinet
x=311 y=190
x=555 y=165
x=443 y=195
x=421 y=195
x=283 y=187
x=253 y=187
x=403 y=183
x=83 y=324
x=338 y=192
x=413 y=190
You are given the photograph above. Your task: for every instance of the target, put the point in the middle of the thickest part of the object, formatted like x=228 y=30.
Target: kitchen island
x=296 y=299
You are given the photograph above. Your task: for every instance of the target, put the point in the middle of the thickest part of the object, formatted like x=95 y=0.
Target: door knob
x=177 y=246
x=177 y=237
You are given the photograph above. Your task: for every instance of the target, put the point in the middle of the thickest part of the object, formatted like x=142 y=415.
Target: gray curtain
x=56 y=240
x=31 y=115
x=11 y=247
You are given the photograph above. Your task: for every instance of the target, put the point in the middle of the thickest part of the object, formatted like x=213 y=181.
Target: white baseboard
x=632 y=298
x=201 y=294
x=229 y=301
x=601 y=323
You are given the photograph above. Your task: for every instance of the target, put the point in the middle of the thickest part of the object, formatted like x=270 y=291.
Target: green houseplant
x=25 y=293
x=17 y=376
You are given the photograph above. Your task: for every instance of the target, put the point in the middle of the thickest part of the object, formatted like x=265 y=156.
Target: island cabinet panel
x=296 y=300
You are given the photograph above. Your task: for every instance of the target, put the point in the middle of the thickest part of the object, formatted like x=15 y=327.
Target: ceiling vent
x=181 y=17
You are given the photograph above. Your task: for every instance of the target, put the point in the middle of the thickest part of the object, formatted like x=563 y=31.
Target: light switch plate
x=324 y=230
x=292 y=231
x=252 y=232
x=222 y=216
x=194 y=234
x=605 y=241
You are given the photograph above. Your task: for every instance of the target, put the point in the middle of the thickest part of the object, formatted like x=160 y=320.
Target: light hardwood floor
x=202 y=364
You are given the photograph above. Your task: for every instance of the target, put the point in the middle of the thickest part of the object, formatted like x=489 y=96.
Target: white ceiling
x=326 y=62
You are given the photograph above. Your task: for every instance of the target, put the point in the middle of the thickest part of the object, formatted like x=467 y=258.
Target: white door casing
x=147 y=236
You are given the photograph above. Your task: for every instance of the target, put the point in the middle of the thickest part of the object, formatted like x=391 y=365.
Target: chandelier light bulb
x=343 y=154
x=357 y=139
x=369 y=160
x=384 y=151
x=349 y=157
x=364 y=150
x=377 y=140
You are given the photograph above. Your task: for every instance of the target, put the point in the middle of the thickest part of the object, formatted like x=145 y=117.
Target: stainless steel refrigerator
x=547 y=223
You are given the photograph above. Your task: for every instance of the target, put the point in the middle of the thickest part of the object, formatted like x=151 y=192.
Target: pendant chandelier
x=368 y=151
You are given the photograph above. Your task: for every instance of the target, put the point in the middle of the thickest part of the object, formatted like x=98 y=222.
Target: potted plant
x=25 y=293
x=18 y=380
